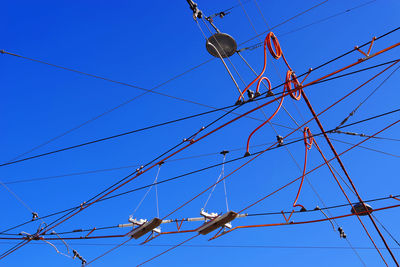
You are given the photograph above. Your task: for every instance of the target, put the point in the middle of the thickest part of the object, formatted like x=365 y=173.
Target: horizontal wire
x=197 y=171
x=118 y=82
x=257 y=45
x=247 y=215
x=184 y=118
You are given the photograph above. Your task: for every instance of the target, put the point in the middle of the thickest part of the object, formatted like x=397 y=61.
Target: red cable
x=292 y=79
x=269 y=119
x=259 y=75
x=308 y=141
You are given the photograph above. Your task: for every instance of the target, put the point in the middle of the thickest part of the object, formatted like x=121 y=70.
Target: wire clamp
x=279 y=138
x=342 y=233
x=34 y=216
x=224 y=152
x=250 y=95
x=140 y=170
x=77 y=255
x=196 y=12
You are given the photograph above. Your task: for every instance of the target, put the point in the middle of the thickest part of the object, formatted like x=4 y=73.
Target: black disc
x=222 y=43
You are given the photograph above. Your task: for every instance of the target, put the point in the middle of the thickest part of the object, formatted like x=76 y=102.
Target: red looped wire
x=308 y=141
x=275 y=42
x=270 y=118
x=292 y=79
x=308 y=138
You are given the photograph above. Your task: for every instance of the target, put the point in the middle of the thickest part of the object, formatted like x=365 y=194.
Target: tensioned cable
x=368 y=148
x=247 y=215
x=95 y=118
x=221 y=175
x=287 y=149
x=203 y=169
x=114 y=81
x=366 y=136
x=365 y=99
x=115 y=185
x=36 y=179
x=257 y=45
x=187 y=117
x=285 y=21
x=147 y=192
x=334 y=60
x=210 y=133
x=103 y=196
x=386 y=230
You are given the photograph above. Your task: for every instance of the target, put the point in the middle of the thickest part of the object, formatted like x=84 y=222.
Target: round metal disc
x=222 y=43
x=360 y=209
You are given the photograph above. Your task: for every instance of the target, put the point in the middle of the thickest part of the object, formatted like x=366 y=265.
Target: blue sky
x=145 y=43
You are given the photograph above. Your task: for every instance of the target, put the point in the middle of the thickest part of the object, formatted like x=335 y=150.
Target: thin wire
x=147 y=192
x=263 y=97
x=287 y=149
x=368 y=148
x=219 y=55
x=199 y=170
x=386 y=230
x=155 y=187
x=371 y=94
x=219 y=177
x=110 y=80
x=285 y=21
x=247 y=215
x=216 y=246
x=365 y=136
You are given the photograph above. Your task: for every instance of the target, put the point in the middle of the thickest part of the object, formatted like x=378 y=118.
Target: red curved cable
x=308 y=141
x=292 y=79
x=270 y=118
x=275 y=42
x=259 y=75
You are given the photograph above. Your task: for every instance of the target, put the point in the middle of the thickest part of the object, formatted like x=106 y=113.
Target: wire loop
x=292 y=79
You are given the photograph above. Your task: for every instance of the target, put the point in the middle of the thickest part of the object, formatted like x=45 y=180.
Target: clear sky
x=145 y=43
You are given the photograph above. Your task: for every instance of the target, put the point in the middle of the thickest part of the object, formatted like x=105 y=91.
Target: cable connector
x=279 y=138
x=34 y=216
x=197 y=14
x=140 y=170
x=250 y=94
x=342 y=233
x=224 y=152
x=77 y=255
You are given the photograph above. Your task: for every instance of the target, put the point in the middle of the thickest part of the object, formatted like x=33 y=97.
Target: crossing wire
x=118 y=82
x=186 y=118
x=199 y=170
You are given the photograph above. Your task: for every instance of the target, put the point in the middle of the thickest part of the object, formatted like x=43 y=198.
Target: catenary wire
x=185 y=118
x=202 y=169
x=118 y=82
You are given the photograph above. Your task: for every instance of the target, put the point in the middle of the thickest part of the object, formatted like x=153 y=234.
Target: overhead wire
x=257 y=45
x=271 y=213
x=291 y=155
x=206 y=168
x=188 y=117
x=103 y=78
x=315 y=116
x=109 y=80
x=366 y=98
